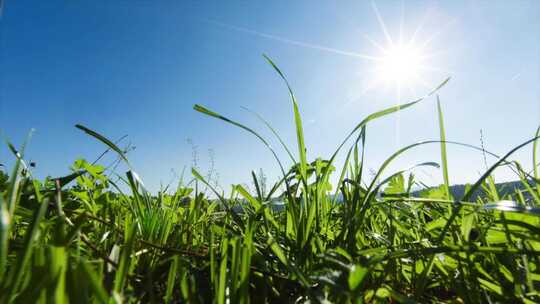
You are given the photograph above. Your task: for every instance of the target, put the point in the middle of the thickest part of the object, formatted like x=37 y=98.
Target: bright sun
x=400 y=64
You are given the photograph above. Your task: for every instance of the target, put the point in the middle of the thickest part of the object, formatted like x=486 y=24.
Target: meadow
x=83 y=238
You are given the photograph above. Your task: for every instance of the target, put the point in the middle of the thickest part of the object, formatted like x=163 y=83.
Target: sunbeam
x=400 y=62
x=293 y=42
x=381 y=23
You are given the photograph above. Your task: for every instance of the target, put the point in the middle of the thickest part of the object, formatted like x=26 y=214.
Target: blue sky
x=137 y=67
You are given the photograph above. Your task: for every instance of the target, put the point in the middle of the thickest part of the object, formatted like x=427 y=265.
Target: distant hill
x=504 y=189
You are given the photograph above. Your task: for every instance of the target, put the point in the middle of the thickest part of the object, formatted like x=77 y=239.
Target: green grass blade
x=5 y=224
x=224 y=202
x=222 y=283
x=208 y=112
x=125 y=258
x=444 y=161
x=273 y=132
x=379 y=114
x=301 y=144
x=104 y=140
x=388 y=111
x=171 y=278
x=56 y=292
x=95 y=282
x=13 y=192
x=278 y=251
x=297 y=121
x=422 y=280
x=18 y=270
x=366 y=201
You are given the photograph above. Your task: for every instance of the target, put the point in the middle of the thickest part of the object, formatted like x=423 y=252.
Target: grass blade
x=297 y=122
x=444 y=161
x=104 y=140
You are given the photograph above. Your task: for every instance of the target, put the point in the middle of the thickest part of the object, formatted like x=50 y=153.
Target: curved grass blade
x=424 y=164
x=476 y=185
x=390 y=110
x=204 y=110
x=14 y=182
x=379 y=114
x=104 y=140
x=208 y=112
x=370 y=188
x=8 y=204
x=273 y=132
x=64 y=180
x=298 y=124
x=107 y=150
x=421 y=283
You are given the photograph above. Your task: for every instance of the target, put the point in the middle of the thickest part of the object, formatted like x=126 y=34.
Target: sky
x=137 y=68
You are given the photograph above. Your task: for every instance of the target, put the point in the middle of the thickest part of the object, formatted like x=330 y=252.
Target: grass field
x=83 y=238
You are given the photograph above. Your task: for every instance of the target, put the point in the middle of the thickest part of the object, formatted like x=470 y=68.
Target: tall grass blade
x=444 y=161
x=125 y=258
x=273 y=132
x=297 y=121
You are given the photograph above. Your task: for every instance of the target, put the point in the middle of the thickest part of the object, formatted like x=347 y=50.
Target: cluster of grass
x=81 y=238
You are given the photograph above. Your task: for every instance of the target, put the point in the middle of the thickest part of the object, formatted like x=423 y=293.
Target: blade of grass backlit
x=273 y=132
x=422 y=280
x=444 y=161
x=365 y=203
x=297 y=121
x=380 y=114
x=479 y=182
x=390 y=110
x=208 y=112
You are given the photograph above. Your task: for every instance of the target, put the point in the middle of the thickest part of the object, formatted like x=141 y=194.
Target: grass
x=81 y=239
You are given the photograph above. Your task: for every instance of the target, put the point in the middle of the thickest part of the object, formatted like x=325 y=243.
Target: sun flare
x=405 y=62
x=400 y=64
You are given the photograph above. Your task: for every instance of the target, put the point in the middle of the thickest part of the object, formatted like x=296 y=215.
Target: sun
x=400 y=64
x=404 y=63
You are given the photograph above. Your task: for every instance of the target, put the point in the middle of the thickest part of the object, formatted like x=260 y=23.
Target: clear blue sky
x=137 y=67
